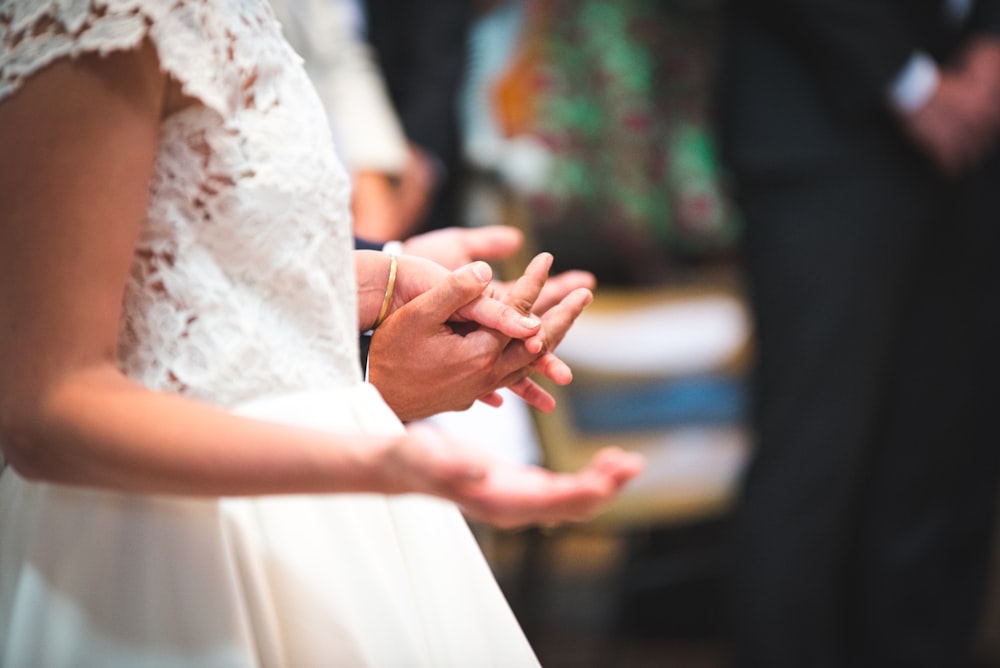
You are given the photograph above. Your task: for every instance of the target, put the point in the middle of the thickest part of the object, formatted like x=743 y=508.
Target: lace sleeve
x=196 y=40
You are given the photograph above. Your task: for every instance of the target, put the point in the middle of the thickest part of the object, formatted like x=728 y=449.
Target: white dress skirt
x=242 y=295
x=93 y=578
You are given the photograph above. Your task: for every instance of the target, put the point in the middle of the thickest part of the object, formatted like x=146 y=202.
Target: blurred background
x=588 y=125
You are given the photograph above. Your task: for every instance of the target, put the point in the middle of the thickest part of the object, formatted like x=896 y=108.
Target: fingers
x=503 y=317
x=534 y=395
x=492 y=242
x=619 y=465
x=518 y=360
x=510 y=496
x=462 y=288
x=554 y=369
x=957 y=125
x=525 y=291
x=505 y=320
x=548 y=365
x=522 y=294
x=453 y=247
x=559 y=286
x=555 y=323
x=525 y=297
x=558 y=319
x=493 y=399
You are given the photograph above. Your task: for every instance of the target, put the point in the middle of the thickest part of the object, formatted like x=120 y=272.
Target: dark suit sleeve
x=986 y=17
x=854 y=48
x=365 y=244
x=364 y=339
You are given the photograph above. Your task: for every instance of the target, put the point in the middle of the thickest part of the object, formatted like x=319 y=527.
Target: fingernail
x=530 y=321
x=482 y=271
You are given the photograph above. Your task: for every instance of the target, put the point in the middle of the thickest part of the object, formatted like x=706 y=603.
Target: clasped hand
x=454 y=337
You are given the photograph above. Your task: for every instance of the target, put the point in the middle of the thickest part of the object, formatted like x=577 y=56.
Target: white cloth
x=241 y=294
x=328 y=34
x=506 y=432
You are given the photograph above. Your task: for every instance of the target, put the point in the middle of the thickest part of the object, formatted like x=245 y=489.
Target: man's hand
x=416 y=276
x=454 y=342
x=424 y=362
x=453 y=247
x=960 y=123
x=562 y=299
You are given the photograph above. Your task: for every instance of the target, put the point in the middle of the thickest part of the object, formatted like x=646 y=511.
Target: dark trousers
x=862 y=536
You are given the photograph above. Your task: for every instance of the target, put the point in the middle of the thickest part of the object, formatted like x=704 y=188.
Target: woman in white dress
x=195 y=472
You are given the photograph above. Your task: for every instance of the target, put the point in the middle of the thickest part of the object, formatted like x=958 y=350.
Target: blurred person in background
x=421 y=49
x=392 y=181
x=390 y=189
x=861 y=136
x=186 y=437
x=615 y=96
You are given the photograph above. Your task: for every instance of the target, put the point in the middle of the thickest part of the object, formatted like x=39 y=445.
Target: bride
x=196 y=473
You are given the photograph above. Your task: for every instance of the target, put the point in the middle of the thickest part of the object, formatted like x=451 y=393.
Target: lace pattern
x=242 y=283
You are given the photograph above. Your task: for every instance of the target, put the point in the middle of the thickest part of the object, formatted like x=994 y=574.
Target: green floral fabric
x=622 y=92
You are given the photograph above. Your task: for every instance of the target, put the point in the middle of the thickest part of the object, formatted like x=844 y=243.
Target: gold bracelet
x=388 y=293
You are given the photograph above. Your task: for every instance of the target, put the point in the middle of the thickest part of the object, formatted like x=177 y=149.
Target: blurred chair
x=661 y=372
x=658 y=370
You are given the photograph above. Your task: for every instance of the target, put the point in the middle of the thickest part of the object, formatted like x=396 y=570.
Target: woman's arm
x=78 y=142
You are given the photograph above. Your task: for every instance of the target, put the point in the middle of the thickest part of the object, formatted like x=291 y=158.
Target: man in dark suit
x=860 y=135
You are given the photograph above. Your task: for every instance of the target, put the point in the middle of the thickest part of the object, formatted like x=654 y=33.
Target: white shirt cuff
x=392 y=247
x=915 y=84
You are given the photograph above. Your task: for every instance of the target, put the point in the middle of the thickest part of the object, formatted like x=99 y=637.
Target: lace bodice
x=242 y=283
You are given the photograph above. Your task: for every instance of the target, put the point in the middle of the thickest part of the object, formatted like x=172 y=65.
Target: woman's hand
x=559 y=300
x=503 y=494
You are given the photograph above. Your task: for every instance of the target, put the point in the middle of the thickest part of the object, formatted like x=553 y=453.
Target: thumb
x=462 y=286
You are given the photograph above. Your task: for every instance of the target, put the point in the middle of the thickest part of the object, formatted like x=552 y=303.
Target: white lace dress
x=242 y=294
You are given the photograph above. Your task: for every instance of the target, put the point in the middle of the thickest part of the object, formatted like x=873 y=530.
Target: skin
x=460 y=368
x=454 y=247
x=391 y=206
x=374 y=207
x=79 y=141
x=960 y=123
x=476 y=362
